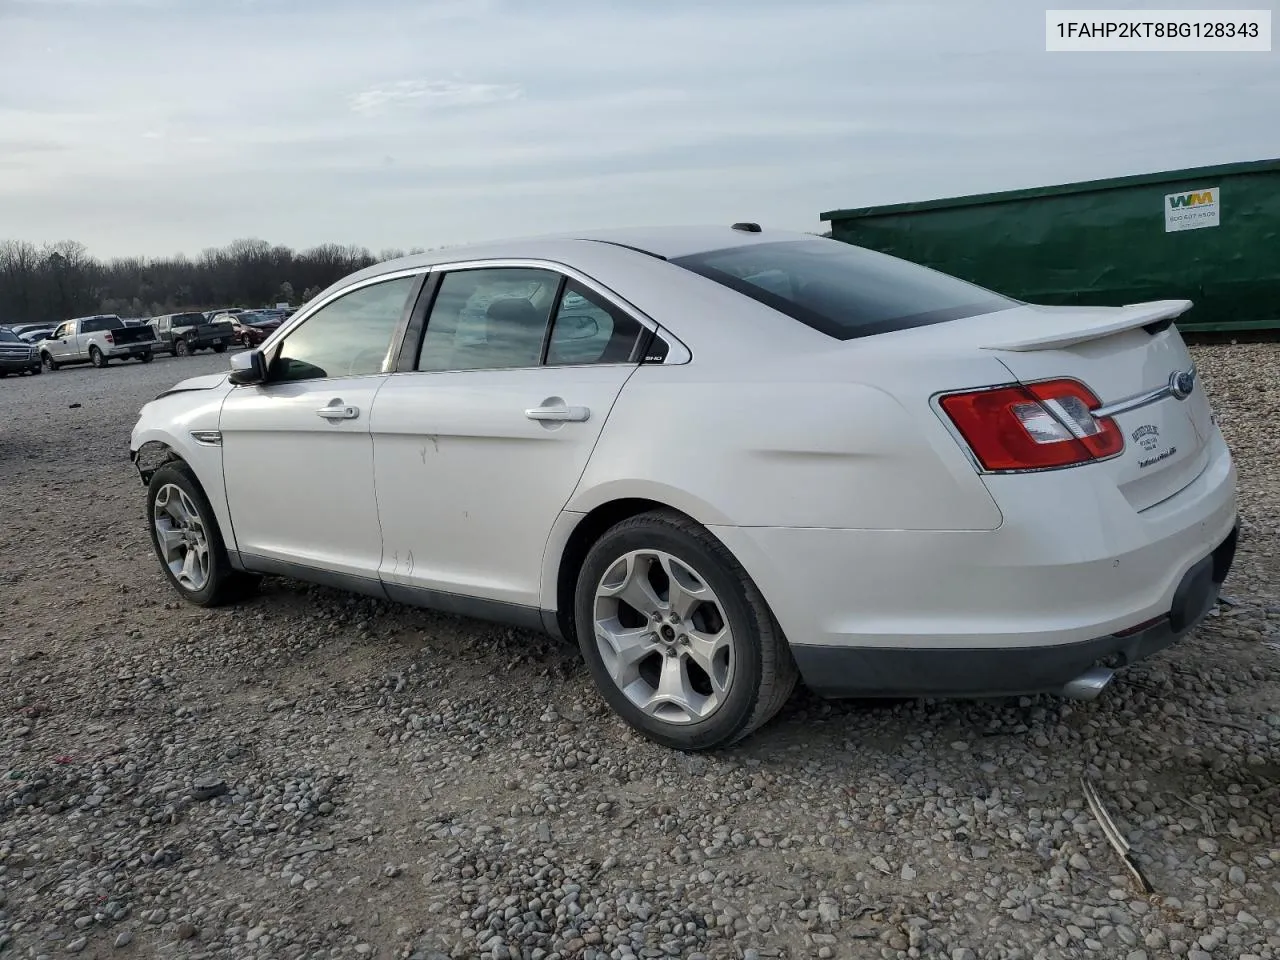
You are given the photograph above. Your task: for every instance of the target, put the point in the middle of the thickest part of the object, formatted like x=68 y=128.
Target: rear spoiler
x=1067 y=326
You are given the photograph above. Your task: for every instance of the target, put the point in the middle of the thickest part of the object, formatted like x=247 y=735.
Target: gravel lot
x=318 y=775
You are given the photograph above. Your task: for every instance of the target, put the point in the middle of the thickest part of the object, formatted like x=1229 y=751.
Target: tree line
x=55 y=281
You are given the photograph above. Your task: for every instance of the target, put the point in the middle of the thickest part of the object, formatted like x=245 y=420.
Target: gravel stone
x=312 y=774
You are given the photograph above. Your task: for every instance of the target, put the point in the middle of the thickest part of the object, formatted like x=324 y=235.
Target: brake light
x=1036 y=426
x=109 y=337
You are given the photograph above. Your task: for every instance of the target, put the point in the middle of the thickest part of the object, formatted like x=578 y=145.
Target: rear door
x=477 y=450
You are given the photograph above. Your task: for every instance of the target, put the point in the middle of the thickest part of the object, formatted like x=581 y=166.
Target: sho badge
x=1148 y=435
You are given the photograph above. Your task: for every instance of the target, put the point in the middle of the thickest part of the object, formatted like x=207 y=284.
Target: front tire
x=181 y=349
x=678 y=639
x=96 y=357
x=187 y=541
x=147 y=357
x=48 y=361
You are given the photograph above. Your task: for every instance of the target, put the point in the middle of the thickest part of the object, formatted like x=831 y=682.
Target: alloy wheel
x=664 y=637
x=184 y=544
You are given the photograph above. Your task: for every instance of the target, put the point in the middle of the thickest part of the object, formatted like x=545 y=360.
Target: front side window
x=62 y=332
x=489 y=319
x=842 y=290
x=588 y=329
x=348 y=337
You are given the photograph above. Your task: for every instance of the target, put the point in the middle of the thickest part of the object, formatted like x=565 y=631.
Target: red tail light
x=109 y=337
x=1037 y=426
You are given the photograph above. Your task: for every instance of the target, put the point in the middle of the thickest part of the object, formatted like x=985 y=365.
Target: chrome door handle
x=338 y=411
x=560 y=413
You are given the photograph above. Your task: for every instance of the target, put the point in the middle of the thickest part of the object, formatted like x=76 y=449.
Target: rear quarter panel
x=809 y=444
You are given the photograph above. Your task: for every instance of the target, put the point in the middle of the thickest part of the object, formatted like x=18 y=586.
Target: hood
x=206 y=382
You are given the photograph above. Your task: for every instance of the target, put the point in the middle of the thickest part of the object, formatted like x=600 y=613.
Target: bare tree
x=60 y=280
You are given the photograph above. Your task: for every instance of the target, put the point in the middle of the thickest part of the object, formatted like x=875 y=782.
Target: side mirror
x=248 y=367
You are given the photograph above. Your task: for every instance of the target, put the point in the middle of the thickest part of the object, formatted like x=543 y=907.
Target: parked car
x=251 y=327
x=34 y=335
x=719 y=459
x=22 y=329
x=184 y=333
x=211 y=314
x=16 y=355
x=98 y=340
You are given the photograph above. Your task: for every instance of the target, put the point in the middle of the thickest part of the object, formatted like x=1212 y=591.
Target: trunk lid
x=1134 y=360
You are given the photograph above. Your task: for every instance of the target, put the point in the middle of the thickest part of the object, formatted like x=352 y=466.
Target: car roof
x=663 y=242
x=630 y=262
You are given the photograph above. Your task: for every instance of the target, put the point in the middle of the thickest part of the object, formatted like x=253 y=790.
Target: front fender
x=185 y=426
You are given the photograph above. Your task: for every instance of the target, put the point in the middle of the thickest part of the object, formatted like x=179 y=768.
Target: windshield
x=9 y=336
x=187 y=319
x=842 y=290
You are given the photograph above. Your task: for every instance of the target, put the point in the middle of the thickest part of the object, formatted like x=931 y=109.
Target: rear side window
x=842 y=290
x=97 y=324
x=489 y=319
x=588 y=329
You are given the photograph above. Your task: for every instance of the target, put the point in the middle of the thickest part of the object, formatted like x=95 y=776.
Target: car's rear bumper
x=1004 y=671
x=1026 y=607
x=127 y=350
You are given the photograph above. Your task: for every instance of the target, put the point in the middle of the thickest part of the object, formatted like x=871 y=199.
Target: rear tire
x=48 y=361
x=220 y=348
x=96 y=357
x=147 y=357
x=208 y=579
x=707 y=664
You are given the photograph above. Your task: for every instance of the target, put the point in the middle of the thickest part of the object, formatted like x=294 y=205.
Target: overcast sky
x=153 y=126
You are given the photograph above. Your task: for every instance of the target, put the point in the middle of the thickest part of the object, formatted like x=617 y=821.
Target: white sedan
x=719 y=459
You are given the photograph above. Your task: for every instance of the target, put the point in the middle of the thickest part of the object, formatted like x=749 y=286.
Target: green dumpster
x=1210 y=235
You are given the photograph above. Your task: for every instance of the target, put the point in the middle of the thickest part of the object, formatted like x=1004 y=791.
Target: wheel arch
x=154 y=448
x=573 y=537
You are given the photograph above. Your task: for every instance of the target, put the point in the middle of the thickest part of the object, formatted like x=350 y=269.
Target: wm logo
x=1191 y=199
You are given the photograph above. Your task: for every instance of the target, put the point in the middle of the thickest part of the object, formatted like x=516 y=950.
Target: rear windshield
x=842 y=290
x=94 y=324
x=187 y=319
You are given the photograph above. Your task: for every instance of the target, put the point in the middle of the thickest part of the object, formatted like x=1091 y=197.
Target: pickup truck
x=184 y=333
x=98 y=340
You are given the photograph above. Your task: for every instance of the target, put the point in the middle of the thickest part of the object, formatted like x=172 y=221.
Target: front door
x=478 y=450
x=60 y=342
x=297 y=451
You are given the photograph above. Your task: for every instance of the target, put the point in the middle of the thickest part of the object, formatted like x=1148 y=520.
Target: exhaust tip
x=1089 y=684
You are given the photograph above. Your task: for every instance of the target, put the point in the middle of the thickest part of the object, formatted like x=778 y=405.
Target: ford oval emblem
x=1181 y=383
